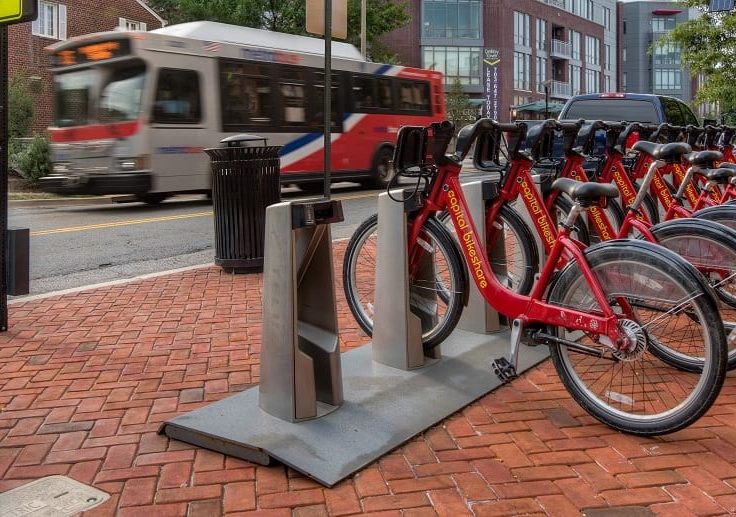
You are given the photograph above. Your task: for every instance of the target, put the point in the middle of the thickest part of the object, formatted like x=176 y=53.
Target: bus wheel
x=152 y=199
x=383 y=167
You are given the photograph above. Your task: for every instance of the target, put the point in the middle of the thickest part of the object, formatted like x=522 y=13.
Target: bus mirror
x=411 y=148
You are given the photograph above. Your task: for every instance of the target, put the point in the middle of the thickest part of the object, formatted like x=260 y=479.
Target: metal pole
x=3 y=176
x=546 y=101
x=328 y=96
x=363 y=28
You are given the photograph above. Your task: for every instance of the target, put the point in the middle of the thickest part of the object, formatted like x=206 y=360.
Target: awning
x=539 y=107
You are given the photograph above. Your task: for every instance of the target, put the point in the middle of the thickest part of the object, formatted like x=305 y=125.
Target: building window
x=607 y=81
x=541 y=34
x=592 y=81
x=668 y=54
x=606 y=18
x=623 y=81
x=455 y=63
x=444 y=19
x=663 y=23
x=541 y=73
x=575 y=79
x=608 y=57
x=575 y=39
x=592 y=50
x=521 y=29
x=130 y=25
x=51 y=21
x=521 y=71
x=667 y=79
x=590 y=10
x=623 y=54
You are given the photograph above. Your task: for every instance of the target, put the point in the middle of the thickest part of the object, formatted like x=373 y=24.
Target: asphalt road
x=74 y=246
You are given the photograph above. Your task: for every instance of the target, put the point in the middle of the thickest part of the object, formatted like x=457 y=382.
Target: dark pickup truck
x=628 y=107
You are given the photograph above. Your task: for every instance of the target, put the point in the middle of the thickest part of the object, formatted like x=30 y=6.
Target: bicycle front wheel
x=724 y=214
x=711 y=248
x=436 y=293
x=659 y=301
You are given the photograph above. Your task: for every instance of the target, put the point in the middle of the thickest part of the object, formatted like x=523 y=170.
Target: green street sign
x=18 y=11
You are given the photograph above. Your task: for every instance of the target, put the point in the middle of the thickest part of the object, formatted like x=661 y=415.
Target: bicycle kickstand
x=504 y=369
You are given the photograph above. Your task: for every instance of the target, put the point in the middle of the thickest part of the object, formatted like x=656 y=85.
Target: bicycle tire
x=359 y=285
x=518 y=272
x=724 y=214
x=660 y=272
x=706 y=245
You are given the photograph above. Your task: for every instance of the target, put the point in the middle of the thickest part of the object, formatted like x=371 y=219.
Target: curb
x=20 y=203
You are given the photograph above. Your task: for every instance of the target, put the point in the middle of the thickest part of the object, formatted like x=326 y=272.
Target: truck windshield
x=95 y=95
x=613 y=109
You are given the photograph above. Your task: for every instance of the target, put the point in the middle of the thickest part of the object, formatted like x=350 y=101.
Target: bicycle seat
x=585 y=193
x=668 y=152
x=727 y=165
x=704 y=158
x=720 y=176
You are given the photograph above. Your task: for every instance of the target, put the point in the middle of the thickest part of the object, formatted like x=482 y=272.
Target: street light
x=546 y=85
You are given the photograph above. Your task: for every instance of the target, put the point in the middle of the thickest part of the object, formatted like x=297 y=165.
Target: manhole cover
x=53 y=496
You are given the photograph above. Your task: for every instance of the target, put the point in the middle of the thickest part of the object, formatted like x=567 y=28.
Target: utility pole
x=363 y=28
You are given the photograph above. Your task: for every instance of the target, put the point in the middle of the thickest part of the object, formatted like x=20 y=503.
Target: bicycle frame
x=446 y=193
x=613 y=170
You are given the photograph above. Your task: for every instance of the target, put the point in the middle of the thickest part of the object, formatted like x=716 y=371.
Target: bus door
x=181 y=125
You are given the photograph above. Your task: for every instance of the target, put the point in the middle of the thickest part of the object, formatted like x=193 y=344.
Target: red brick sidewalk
x=87 y=378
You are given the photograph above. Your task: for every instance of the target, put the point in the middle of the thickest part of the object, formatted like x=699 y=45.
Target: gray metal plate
x=52 y=496
x=383 y=408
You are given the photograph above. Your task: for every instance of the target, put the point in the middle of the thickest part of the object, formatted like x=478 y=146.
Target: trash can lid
x=241 y=139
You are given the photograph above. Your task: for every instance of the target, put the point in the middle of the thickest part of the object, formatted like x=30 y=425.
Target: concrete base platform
x=383 y=408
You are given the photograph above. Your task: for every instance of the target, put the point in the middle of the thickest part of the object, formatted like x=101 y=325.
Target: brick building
x=63 y=20
x=567 y=47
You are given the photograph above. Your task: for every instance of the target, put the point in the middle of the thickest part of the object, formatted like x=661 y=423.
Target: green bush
x=20 y=104
x=35 y=162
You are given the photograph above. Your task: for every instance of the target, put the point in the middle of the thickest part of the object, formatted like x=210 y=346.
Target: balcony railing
x=557 y=89
x=557 y=3
x=560 y=89
x=561 y=49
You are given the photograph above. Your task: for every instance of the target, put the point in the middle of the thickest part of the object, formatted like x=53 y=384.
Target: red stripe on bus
x=94 y=132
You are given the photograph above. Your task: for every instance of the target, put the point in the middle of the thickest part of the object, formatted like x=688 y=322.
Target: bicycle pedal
x=503 y=369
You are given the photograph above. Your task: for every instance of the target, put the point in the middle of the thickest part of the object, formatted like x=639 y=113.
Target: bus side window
x=246 y=96
x=415 y=97
x=177 y=97
x=385 y=99
x=293 y=89
x=364 y=94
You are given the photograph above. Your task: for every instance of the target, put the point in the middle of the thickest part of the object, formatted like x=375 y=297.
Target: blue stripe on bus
x=382 y=70
x=299 y=142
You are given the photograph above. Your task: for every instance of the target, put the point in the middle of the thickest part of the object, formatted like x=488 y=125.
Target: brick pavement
x=87 y=378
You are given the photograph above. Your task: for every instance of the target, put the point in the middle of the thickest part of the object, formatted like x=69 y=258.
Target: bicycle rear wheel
x=436 y=297
x=659 y=300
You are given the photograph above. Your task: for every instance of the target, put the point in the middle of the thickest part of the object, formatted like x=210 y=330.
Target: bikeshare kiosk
x=327 y=414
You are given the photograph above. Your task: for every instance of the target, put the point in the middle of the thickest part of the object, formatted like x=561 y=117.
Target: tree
x=289 y=16
x=459 y=109
x=708 y=48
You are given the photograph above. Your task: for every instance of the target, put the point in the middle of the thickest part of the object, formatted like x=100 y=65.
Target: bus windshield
x=117 y=94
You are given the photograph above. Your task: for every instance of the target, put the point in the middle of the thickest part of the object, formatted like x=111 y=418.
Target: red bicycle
x=608 y=315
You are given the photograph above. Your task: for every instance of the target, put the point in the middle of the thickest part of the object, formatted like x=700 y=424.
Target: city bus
x=134 y=110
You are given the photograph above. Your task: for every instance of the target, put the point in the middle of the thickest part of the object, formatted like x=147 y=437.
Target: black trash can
x=245 y=180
